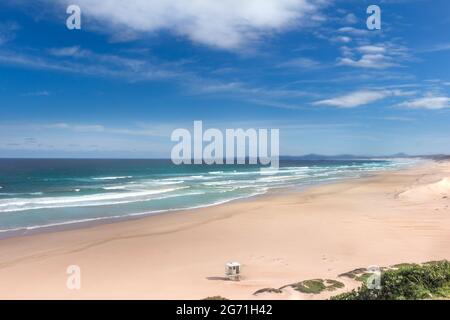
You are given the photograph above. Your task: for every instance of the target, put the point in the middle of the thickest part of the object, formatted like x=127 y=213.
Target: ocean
x=43 y=193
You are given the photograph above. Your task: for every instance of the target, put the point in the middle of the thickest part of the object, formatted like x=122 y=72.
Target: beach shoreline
x=323 y=231
x=93 y=222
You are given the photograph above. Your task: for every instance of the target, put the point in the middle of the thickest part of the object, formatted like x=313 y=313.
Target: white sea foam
x=20 y=204
x=279 y=178
x=22 y=193
x=115 y=188
x=113 y=178
x=34 y=227
x=187 y=177
x=160 y=182
x=165 y=183
x=241 y=173
x=221 y=183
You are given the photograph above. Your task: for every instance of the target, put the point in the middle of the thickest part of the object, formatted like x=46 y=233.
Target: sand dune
x=428 y=192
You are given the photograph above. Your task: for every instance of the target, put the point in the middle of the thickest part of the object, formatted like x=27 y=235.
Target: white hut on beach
x=233 y=271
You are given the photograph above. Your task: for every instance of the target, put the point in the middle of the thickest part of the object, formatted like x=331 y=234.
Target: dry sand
x=390 y=218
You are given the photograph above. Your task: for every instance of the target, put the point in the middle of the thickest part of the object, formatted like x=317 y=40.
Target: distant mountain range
x=313 y=156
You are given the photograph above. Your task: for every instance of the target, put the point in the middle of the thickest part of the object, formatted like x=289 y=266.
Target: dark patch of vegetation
x=363 y=277
x=354 y=273
x=433 y=262
x=316 y=286
x=359 y=274
x=333 y=284
x=268 y=290
x=403 y=265
x=407 y=282
x=215 y=298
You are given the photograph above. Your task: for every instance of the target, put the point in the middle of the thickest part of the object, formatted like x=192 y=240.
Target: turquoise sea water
x=42 y=193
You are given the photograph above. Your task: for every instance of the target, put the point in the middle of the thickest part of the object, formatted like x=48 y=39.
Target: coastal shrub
x=316 y=286
x=407 y=282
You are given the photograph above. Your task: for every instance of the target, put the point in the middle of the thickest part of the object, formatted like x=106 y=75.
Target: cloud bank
x=225 y=24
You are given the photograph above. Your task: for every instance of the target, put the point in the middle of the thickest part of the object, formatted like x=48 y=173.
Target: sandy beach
x=280 y=238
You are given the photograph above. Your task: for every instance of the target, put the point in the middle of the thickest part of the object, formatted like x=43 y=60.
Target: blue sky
x=139 y=69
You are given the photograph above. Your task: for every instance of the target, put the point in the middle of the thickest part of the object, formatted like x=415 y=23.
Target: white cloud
x=74 y=51
x=354 y=31
x=371 y=61
x=350 y=19
x=431 y=103
x=226 y=24
x=370 y=49
x=379 y=56
x=358 y=98
x=301 y=62
x=343 y=39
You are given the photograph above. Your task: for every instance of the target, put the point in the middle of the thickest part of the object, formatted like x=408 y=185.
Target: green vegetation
x=363 y=277
x=403 y=265
x=268 y=290
x=316 y=286
x=407 y=282
x=313 y=286
x=215 y=298
x=333 y=285
x=354 y=274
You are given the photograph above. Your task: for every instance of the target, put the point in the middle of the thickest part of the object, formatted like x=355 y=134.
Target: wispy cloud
x=241 y=88
x=366 y=49
x=8 y=31
x=354 y=31
x=380 y=56
x=301 y=63
x=429 y=102
x=358 y=98
x=154 y=131
x=74 y=51
x=82 y=61
x=437 y=48
x=277 y=97
x=396 y=118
